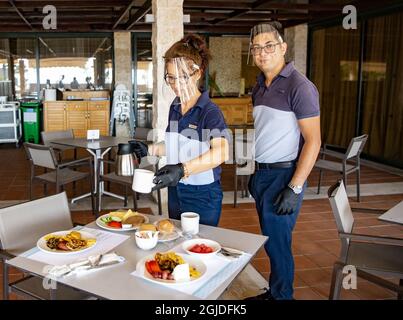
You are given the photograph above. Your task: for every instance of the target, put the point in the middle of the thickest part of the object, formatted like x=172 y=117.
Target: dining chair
x=21 y=226
x=353 y=153
x=49 y=136
x=61 y=173
x=374 y=258
x=149 y=163
x=244 y=165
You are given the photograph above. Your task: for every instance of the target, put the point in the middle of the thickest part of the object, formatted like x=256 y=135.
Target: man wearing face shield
x=287 y=142
x=196 y=139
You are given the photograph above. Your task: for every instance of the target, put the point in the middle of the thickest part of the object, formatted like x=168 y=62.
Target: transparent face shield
x=264 y=38
x=181 y=77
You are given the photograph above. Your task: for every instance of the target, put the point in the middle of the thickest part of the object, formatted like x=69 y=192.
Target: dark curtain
x=335 y=54
x=383 y=88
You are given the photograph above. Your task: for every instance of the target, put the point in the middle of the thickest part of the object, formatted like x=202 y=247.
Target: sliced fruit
x=115 y=224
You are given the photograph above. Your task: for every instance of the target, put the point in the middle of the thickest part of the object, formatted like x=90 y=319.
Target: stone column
x=166 y=30
x=123 y=71
x=226 y=63
x=297 y=40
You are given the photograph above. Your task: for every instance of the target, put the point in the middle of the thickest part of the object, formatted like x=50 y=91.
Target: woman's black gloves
x=168 y=176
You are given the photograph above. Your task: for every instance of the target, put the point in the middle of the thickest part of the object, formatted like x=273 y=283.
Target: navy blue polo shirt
x=188 y=136
x=276 y=111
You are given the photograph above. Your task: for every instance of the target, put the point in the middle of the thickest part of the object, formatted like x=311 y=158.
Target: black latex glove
x=168 y=176
x=140 y=149
x=286 y=201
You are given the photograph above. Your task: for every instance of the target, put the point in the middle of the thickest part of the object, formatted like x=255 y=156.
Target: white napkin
x=90 y=263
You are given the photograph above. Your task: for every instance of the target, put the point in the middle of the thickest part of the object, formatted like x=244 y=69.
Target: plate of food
x=121 y=220
x=167 y=230
x=171 y=268
x=66 y=242
x=201 y=247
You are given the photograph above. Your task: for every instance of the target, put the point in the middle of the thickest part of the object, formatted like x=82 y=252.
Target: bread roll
x=165 y=226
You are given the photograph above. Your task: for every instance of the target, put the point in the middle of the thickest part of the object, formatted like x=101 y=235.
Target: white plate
x=165 y=236
x=192 y=260
x=101 y=224
x=41 y=244
x=190 y=243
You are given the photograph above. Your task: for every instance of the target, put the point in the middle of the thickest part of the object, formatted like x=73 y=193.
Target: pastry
x=135 y=220
x=148 y=227
x=165 y=226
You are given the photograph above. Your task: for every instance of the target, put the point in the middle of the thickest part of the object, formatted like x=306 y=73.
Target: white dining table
x=117 y=282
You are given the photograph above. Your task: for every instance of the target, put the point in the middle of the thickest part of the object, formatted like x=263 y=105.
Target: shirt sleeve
x=305 y=101
x=215 y=124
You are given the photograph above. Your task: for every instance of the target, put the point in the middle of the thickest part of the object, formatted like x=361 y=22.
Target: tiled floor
x=315 y=241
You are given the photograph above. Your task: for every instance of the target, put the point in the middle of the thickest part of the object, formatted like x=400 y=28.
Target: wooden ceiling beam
x=262 y=4
x=12 y=3
x=67 y=4
x=123 y=14
x=140 y=13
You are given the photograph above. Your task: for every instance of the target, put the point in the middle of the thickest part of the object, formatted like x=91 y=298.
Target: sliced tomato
x=115 y=224
x=154 y=266
x=201 y=248
x=148 y=267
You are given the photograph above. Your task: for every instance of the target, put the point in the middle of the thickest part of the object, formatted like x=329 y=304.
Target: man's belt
x=276 y=165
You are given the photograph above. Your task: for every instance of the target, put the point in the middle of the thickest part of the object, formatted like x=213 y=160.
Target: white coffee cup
x=143 y=181
x=190 y=222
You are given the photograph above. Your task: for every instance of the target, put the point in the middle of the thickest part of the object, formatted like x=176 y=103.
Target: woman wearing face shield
x=196 y=139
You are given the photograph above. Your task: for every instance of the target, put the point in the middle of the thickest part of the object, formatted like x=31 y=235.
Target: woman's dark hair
x=192 y=47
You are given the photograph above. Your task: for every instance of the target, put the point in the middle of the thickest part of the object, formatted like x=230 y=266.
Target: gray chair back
x=48 y=136
x=143 y=134
x=341 y=211
x=356 y=146
x=42 y=156
x=22 y=225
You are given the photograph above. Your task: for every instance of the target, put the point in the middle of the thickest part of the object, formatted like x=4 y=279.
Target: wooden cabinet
x=98 y=116
x=77 y=115
x=236 y=111
x=54 y=116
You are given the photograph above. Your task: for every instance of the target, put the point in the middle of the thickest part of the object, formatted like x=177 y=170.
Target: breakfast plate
x=67 y=242
x=199 y=269
x=121 y=224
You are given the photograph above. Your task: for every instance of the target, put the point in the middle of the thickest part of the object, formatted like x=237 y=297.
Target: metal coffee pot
x=126 y=160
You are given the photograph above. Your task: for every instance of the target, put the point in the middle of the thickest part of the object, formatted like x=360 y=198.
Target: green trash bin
x=32 y=120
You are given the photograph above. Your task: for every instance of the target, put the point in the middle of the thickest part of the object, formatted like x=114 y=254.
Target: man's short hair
x=269 y=27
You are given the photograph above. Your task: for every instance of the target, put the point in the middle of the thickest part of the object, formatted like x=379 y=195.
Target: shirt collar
x=285 y=73
x=200 y=103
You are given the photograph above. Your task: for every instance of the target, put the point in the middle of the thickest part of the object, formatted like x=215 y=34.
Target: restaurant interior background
x=358 y=72
x=360 y=95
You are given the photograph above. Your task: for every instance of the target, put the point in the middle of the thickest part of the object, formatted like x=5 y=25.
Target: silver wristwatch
x=295 y=189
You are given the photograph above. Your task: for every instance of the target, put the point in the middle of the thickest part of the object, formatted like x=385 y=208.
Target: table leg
x=95 y=178
x=101 y=171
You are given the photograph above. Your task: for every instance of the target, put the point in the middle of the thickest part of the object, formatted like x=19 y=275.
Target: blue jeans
x=264 y=186
x=206 y=200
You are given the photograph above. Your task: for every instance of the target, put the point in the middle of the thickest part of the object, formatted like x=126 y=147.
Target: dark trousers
x=264 y=186
x=206 y=200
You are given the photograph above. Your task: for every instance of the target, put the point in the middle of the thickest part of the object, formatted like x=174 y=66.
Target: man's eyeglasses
x=169 y=79
x=268 y=48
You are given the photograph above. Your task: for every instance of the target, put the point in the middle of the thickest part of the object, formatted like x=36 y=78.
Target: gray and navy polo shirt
x=276 y=111
x=188 y=136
